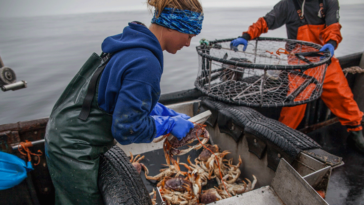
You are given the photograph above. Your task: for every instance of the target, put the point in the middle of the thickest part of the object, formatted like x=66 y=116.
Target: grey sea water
x=47 y=51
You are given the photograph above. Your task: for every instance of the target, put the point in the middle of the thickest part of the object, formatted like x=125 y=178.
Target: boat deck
x=347 y=182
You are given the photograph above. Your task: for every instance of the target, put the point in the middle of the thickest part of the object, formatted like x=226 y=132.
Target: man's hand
x=181 y=127
x=236 y=42
x=330 y=47
x=184 y=116
x=162 y=110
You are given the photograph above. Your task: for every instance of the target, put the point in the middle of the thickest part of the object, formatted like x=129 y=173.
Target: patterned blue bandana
x=184 y=21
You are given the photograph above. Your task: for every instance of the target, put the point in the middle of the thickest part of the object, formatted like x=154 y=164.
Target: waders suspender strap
x=87 y=102
x=299 y=11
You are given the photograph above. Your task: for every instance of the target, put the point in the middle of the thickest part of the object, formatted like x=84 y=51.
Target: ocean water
x=47 y=51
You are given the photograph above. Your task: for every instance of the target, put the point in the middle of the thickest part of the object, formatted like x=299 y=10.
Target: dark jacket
x=130 y=84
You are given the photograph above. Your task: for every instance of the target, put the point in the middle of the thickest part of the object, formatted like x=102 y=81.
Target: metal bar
x=159 y=199
x=319 y=125
x=33 y=143
x=253 y=93
x=14 y=86
x=299 y=90
x=255 y=52
x=328 y=114
x=262 y=87
x=209 y=75
x=308 y=109
x=1 y=63
x=319 y=111
x=247 y=88
x=315 y=177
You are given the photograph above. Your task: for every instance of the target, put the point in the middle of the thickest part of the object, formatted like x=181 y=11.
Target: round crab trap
x=272 y=72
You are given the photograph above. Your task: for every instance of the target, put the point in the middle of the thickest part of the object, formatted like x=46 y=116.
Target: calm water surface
x=47 y=51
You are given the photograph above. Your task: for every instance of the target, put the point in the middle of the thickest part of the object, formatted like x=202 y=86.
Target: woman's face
x=176 y=40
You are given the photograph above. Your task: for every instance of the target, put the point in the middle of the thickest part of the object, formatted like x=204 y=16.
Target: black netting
x=271 y=72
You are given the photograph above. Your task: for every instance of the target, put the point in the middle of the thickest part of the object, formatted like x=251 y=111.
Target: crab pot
x=272 y=72
x=289 y=166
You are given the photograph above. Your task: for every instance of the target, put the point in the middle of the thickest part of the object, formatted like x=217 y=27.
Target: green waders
x=73 y=146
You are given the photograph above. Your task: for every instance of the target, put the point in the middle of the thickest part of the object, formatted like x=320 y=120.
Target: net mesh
x=270 y=73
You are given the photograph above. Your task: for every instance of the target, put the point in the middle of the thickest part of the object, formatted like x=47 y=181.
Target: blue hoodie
x=129 y=86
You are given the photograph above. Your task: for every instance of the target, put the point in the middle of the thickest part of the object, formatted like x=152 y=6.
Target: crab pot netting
x=270 y=73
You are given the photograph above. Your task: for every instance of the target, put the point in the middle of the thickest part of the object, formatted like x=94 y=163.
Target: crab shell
x=174 y=143
x=206 y=154
x=210 y=196
x=198 y=130
x=137 y=166
x=178 y=184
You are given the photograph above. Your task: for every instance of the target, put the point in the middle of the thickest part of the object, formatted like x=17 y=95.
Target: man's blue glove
x=177 y=126
x=236 y=42
x=330 y=47
x=161 y=110
x=181 y=127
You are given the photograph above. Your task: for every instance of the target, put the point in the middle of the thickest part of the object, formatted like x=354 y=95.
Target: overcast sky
x=12 y=8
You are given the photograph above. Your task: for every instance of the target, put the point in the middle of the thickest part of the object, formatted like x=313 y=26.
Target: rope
x=353 y=70
x=217 y=160
x=24 y=150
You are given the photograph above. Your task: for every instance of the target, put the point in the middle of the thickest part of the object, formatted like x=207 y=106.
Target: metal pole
x=1 y=63
x=262 y=83
x=33 y=143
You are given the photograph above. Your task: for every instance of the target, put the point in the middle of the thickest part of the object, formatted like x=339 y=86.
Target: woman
x=117 y=100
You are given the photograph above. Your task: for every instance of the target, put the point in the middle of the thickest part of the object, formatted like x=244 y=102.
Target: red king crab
x=171 y=143
x=135 y=162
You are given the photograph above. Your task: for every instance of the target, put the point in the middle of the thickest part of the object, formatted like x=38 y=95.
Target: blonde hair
x=191 y=5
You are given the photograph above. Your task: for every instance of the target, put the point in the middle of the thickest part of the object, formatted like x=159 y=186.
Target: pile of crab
x=186 y=187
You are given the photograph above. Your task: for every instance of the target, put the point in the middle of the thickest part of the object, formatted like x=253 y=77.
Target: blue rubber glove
x=161 y=110
x=236 y=42
x=181 y=127
x=330 y=47
x=177 y=126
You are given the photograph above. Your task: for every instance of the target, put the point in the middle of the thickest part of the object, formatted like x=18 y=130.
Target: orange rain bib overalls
x=336 y=92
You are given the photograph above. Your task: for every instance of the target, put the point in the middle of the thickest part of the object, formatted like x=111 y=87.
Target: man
x=315 y=21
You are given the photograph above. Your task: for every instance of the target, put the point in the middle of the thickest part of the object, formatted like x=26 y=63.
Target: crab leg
x=196 y=147
x=131 y=157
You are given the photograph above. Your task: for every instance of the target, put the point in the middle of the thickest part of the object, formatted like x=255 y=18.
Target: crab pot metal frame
x=272 y=72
